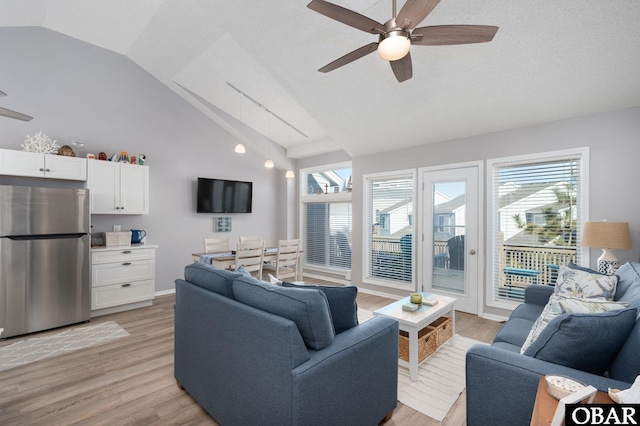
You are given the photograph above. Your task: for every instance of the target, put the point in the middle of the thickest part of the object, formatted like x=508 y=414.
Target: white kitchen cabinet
x=33 y=164
x=118 y=188
x=122 y=278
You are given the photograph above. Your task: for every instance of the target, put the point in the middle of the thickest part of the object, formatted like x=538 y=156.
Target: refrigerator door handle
x=44 y=237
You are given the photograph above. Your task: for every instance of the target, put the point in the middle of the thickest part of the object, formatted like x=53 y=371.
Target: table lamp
x=607 y=236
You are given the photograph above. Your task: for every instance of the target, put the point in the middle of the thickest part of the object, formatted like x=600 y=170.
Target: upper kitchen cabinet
x=33 y=164
x=118 y=188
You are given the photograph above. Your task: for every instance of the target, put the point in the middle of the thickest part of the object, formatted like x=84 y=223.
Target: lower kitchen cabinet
x=122 y=278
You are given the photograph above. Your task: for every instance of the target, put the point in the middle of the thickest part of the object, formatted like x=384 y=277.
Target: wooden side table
x=545 y=406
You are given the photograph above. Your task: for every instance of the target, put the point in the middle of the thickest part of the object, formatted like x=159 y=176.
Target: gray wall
x=79 y=91
x=614 y=143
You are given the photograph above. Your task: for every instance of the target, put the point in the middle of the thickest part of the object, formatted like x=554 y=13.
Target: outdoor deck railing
x=541 y=259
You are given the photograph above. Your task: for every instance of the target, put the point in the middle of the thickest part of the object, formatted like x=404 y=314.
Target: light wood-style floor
x=130 y=381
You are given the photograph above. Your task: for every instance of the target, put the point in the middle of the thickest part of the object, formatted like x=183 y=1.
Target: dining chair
x=287 y=259
x=216 y=244
x=245 y=239
x=250 y=255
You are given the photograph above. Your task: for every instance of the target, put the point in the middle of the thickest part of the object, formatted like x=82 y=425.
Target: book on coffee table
x=429 y=299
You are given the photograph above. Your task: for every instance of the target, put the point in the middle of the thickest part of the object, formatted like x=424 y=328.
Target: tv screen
x=224 y=196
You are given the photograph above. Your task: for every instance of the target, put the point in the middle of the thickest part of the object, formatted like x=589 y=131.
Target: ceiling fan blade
x=347 y=16
x=439 y=35
x=12 y=114
x=350 y=57
x=402 y=68
x=2 y=93
x=414 y=11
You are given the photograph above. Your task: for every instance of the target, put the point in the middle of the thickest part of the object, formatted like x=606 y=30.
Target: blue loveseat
x=502 y=382
x=252 y=353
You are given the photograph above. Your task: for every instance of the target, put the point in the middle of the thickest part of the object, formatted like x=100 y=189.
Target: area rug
x=441 y=377
x=35 y=349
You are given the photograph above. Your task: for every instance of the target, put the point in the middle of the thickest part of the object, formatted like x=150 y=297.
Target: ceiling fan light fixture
x=394 y=45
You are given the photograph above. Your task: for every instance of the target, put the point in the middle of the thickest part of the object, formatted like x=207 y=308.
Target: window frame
x=493 y=214
x=330 y=198
x=367 y=230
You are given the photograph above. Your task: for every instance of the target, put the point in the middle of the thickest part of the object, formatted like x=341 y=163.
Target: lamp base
x=608 y=264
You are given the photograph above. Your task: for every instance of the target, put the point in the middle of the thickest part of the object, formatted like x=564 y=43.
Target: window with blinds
x=537 y=219
x=389 y=202
x=326 y=217
x=328 y=235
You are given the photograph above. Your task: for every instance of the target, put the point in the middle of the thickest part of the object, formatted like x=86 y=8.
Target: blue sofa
x=502 y=383
x=252 y=353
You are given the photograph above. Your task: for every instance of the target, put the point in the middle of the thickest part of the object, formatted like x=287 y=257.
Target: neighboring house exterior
x=395 y=218
x=528 y=201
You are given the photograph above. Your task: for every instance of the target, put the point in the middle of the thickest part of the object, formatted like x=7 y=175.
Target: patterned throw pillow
x=574 y=281
x=559 y=304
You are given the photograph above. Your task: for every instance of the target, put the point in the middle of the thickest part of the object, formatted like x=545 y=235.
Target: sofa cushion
x=514 y=332
x=342 y=304
x=626 y=364
x=586 y=342
x=206 y=276
x=559 y=304
x=576 y=281
x=308 y=309
x=527 y=311
x=628 y=281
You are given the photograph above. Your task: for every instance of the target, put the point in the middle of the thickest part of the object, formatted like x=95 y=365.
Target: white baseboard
x=165 y=292
x=492 y=317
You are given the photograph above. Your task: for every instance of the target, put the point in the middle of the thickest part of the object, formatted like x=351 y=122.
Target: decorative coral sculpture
x=40 y=143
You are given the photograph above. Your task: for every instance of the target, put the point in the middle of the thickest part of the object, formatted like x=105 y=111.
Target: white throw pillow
x=575 y=281
x=559 y=304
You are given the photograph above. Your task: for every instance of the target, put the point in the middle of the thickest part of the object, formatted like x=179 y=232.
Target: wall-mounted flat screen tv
x=224 y=196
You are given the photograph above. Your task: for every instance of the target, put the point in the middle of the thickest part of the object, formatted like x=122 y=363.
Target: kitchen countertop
x=142 y=245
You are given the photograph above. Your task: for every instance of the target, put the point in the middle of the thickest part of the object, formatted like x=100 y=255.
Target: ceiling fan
x=13 y=114
x=398 y=34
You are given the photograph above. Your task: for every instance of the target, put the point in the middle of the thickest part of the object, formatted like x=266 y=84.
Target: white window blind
x=388 y=232
x=327 y=229
x=537 y=221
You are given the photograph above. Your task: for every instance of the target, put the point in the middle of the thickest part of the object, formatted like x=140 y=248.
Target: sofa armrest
x=497 y=378
x=329 y=386
x=538 y=294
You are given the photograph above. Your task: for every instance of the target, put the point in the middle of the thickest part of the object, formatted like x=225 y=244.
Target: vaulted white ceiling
x=550 y=60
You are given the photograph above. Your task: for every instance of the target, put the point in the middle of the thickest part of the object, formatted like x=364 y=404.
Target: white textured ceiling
x=550 y=60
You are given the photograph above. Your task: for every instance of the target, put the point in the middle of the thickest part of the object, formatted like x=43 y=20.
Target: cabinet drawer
x=123 y=254
x=122 y=272
x=121 y=294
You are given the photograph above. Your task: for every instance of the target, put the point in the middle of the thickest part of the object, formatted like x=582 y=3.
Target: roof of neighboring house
x=396 y=206
x=524 y=191
x=524 y=238
x=451 y=205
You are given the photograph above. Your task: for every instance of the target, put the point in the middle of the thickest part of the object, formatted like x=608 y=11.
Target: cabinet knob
x=126 y=285
x=41 y=169
x=126 y=264
x=47 y=170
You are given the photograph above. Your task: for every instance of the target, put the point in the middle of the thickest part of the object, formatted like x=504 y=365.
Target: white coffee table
x=413 y=322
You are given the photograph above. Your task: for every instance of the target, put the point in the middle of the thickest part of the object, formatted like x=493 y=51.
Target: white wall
x=614 y=142
x=79 y=91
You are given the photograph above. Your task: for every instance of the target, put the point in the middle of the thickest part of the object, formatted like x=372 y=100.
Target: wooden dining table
x=227 y=259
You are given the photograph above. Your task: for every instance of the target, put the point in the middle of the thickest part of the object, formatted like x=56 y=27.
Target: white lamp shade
x=394 y=47
x=240 y=149
x=268 y=164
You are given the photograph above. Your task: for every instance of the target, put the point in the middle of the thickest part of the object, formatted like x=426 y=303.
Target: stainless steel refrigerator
x=44 y=258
